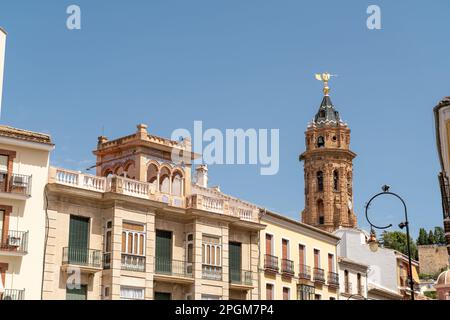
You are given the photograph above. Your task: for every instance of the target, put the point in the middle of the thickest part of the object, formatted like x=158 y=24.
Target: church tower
x=328 y=168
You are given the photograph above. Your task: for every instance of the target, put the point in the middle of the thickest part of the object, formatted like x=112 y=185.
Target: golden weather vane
x=325 y=77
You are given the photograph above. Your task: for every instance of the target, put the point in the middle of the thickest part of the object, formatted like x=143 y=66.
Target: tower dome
x=444 y=279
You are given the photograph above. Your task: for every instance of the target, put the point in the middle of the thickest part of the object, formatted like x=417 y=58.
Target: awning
x=415 y=275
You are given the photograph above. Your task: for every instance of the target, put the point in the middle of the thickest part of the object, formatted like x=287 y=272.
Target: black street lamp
x=373 y=243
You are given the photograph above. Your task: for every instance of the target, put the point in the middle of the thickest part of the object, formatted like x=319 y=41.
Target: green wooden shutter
x=162 y=296
x=163 y=251
x=78 y=240
x=77 y=294
x=235 y=261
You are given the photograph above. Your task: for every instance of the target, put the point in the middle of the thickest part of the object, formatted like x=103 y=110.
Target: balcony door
x=235 y=261
x=163 y=251
x=78 y=240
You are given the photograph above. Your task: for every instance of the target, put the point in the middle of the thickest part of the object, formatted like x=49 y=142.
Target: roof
x=20 y=134
x=3 y=30
x=327 y=114
x=352 y=262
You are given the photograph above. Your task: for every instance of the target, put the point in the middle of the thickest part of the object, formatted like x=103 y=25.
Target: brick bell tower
x=328 y=168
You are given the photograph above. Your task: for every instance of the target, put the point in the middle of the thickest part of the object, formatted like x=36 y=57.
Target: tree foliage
x=423 y=237
x=396 y=240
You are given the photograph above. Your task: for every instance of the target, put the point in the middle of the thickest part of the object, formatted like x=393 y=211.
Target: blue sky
x=240 y=64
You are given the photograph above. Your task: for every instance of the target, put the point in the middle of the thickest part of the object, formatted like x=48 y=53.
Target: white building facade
x=24 y=165
x=382 y=275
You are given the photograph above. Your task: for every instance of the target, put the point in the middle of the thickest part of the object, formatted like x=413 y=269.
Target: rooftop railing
x=213 y=203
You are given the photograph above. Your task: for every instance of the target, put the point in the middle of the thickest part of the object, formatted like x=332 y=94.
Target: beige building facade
x=298 y=262
x=24 y=163
x=140 y=229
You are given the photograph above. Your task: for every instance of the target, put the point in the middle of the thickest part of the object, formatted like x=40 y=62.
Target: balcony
x=271 y=263
x=15 y=243
x=173 y=271
x=211 y=272
x=305 y=272
x=319 y=275
x=241 y=279
x=15 y=186
x=87 y=260
x=333 y=279
x=225 y=206
x=133 y=263
x=287 y=267
x=11 y=294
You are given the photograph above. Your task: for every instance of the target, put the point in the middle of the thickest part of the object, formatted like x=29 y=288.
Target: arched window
x=108 y=173
x=164 y=180
x=349 y=182
x=320 y=211
x=320 y=181
x=346 y=283
x=320 y=142
x=130 y=170
x=177 y=184
x=152 y=175
x=360 y=291
x=336 y=180
x=119 y=172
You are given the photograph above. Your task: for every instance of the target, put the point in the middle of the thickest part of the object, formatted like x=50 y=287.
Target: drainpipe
x=262 y=212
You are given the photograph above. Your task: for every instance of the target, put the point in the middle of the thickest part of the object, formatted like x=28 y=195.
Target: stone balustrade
x=213 y=203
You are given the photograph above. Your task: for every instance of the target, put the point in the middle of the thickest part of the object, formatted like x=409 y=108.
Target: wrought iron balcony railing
x=11 y=294
x=333 y=279
x=287 y=267
x=211 y=272
x=15 y=183
x=319 y=275
x=133 y=263
x=174 y=268
x=241 y=277
x=305 y=272
x=271 y=263
x=14 y=241
x=82 y=257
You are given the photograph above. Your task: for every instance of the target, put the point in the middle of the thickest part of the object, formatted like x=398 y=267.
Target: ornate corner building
x=328 y=170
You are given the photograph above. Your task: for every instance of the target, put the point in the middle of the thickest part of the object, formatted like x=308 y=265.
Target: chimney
x=2 y=61
x=202 y=175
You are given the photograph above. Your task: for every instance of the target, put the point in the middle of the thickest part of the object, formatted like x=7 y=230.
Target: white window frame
x=205 y=246
x=288 y=253
x=289 y=292
x=132 y=288
x=273 y=289
x=272 y=249
x=135 y=234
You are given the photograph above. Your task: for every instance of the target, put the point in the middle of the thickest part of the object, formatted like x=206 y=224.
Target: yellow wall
x=296 y=236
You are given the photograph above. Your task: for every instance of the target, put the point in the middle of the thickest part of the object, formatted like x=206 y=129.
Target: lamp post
x=373 y=243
